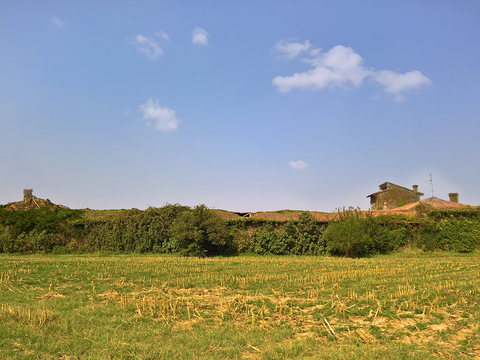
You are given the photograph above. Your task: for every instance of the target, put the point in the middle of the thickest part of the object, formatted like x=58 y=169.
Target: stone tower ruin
x=27 y=195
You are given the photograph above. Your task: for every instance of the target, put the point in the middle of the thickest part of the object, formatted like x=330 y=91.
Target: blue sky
x=243 y=106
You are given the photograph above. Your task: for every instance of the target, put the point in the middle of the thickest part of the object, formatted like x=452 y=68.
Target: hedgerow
x=200 y=231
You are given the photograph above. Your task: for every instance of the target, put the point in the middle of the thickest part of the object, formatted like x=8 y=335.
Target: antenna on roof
x=431 y=182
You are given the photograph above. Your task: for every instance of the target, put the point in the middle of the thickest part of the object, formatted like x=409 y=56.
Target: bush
x=302 y=237
x=390 y=233
x=263 y=239
x=266 y=241
x=52 y=221
x=458 y=235
x=131 y=230
x=309 y=238
x=282 y=244
x=35 y=241
x=7 y=241
x=199 y=232
x=240 y=237
x=350 y=234
x=425 y=236
x=386 y=240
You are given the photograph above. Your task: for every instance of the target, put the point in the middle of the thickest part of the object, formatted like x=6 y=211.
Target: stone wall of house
x=392 y=198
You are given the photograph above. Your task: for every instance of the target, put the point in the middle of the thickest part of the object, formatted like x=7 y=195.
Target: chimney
x=453 y=197
x=415 y=188
x=27 y=194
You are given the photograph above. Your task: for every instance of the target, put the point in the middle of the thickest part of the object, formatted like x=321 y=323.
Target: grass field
x=408 y=306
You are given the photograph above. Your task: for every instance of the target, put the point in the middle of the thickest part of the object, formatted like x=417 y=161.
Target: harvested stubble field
x=167 y=307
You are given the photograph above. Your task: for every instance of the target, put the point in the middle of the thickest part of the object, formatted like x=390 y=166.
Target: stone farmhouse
x=392 y=195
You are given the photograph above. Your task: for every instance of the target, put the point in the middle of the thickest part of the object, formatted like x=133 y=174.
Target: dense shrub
x=350 y=235
x=389 y=233
x=169 y=229
x=468 y=212
x=302 y=237
x=35 y=230
x=52 y=221
x=458 y=235
x=424 y=236
x=7 y=241
x=386 y=239
x=199 y=232
x=239 y=233
x=36 y=241
x=264 y=241
x=308 y=238
x=131 y=230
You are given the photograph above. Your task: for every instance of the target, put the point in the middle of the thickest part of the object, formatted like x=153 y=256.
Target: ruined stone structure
x=392 y=195
x=27 y=195
x=453 y=197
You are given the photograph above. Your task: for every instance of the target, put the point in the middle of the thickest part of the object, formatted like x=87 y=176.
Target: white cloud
x=396 y=84
x=163 y=35
x=335 y=68
x=160 y=118
x=149 y=46
x=299 y=165
x=341 y=66
x=200 y=37
x=289 y=50
x=56 y=21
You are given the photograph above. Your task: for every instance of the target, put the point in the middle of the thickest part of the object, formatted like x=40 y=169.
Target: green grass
x=169 y=307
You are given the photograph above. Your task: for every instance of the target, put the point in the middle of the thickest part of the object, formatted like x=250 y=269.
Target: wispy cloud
x=340 y=67
x=396 y=84
x=200 y=37
x=289 y=50
x=298 y=165
x=160 y=118
x=162 y=35
x=56 y=21
x=149 y=46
